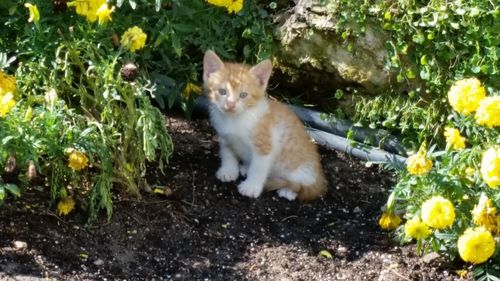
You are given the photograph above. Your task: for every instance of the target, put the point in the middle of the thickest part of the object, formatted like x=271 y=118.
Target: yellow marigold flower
x=416 y=229
x=488 y=112
x=490 y=167
x=191 y=89
x=232 y=6
x=389 y=221
x=7 y=83
x=104 y=13
x=65 y=206
x=453 y=138
x=438 y=212
x=464 y=96
x=134 y=39
x=7 y=102
x=34 y=13
x=419 y=164
x=77 y=160
x=485 y=214
x=87 y=8
x=476 y=245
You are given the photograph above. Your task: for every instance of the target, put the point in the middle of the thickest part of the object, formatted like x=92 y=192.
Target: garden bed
x=206 y=230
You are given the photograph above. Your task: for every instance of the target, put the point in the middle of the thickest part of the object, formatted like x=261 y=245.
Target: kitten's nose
x=230 y=105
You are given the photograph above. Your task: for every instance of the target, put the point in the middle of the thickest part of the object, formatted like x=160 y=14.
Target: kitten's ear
x=211 y=64
x=262 y=71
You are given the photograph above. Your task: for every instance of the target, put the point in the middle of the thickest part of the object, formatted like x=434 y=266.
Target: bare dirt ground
x=206 y=231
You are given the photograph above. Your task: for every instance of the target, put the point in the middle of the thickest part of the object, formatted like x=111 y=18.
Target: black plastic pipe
x=375 y=137
x=333 y=135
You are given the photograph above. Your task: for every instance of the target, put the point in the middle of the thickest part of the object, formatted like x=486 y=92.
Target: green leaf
x=387 y=15
x=7 y=139
x=418 y=38
x=132 y=4
x=326 y=254
x=400 y=78
x=410 y=74
x=157 y=5
x=423 y=60
x=424 y=74
x=455 y=25
x=2 y=192
x=12 y=188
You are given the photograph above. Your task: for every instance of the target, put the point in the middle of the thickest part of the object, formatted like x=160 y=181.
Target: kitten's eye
x=222 y=92
x=243 y=95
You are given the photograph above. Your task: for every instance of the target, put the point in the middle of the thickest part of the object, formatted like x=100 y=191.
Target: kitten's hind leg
x=285 y=188
x=228 y=170
x=287 y=193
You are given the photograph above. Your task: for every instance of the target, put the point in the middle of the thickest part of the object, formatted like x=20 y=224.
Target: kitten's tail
x=305 y=193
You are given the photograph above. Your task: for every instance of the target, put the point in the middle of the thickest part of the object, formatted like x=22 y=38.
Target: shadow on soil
x=206 y=230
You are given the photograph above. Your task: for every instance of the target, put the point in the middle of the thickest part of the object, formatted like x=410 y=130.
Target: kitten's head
x=234 y=87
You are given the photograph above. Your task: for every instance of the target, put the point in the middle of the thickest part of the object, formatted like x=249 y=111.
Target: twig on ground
x=399 y=274
x=49 y=213
x=290 y=217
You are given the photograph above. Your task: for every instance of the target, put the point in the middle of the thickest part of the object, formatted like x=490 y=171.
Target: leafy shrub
x=450 y=197
x=78 y=83
x=430 y=44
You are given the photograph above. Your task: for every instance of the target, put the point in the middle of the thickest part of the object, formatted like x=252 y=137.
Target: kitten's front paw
x=250 y=189
x=227 y=173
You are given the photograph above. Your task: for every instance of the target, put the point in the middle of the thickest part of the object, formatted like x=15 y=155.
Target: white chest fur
x=237 y=130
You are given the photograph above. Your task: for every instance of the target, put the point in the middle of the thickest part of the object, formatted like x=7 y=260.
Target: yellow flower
x=476 y=245
x=488 y=112
x=490 y=167
x=104 y=13
x=77 y=160
x=438 y=212
x=416 y=229
x=7 y=83
x=389 y=221
x=65 y=206
x=191 y=89
x=419 y=164
x=7 y=102
x=464 y=96
x=134 y=39
x=484 y=214
x=87 y=8
x=232 y=6
x=453 y=138
x=34 y=13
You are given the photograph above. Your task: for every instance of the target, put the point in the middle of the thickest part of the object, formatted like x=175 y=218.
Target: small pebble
x=19 y=245
x=99 y=262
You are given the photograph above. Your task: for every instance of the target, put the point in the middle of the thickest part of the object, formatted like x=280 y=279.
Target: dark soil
x=206 y=231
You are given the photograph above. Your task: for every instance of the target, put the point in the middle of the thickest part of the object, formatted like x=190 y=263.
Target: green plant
x=430 y=43
x=466 y=174
x=88 y=74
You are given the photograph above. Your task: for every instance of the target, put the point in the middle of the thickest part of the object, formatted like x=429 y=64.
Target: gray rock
x=20 y=245
x=430 y=257
x=310 y=43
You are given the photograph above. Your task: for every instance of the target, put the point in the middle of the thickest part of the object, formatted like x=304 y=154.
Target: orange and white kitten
x=259 y=138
